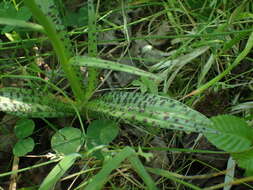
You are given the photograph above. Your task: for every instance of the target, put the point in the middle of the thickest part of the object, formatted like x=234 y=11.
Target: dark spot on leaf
x=153 y=102
x=15 y=106
x=145 y=105
x=130 y=109
x=39 y=109
x=142 y=110
x=4 y=104
x=162 y=103
x=151 y=114
x=135 y=100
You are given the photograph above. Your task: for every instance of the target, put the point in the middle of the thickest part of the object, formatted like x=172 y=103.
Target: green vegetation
x=126 y=94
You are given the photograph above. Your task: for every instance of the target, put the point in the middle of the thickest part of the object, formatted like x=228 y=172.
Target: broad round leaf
x=23 y=146
x=235 y=135
x=24 y=128
x=109 y=132
x=67 y=140
x=102 y=131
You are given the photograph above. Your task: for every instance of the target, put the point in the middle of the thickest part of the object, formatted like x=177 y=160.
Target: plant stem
x=61 y=51
x=92 y=51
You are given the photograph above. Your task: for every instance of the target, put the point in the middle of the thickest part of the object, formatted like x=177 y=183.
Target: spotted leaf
x=150 y=110
x=30 y=103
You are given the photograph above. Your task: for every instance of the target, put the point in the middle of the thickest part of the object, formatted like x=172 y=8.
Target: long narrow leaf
x=59 y=39
x=140 y=169
x=99 y=180
x=236 y=62
x=29 y=103
x=168 y=175
x=150 y=110
x=20 y=23
x=58 y=171
x=104 y=64
x=92 y=51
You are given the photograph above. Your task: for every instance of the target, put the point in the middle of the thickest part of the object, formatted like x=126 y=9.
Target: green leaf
x=104 y=64
x=58 y=171
x=59 y=38
x=7 y=10
x=49 y=8
x=181 y=60
x=102 y=176
x=172 y=176
x=77 y=19
x=67 y=140
x=244 y=159
x=24 y=128
x=150 y=84
x=19 y=23
x=146 y=85
x=140 y=169
x=102 y=132
x=150 y=110
x=234 y=133
x=23 y=146
x=139 y=83
x=29 y=103
x=93 y=76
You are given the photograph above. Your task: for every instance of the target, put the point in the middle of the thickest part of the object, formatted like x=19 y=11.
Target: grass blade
x=99 y=180
x=236 y=62
x=170 y=176
x=58 y=171
x=140 y=169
